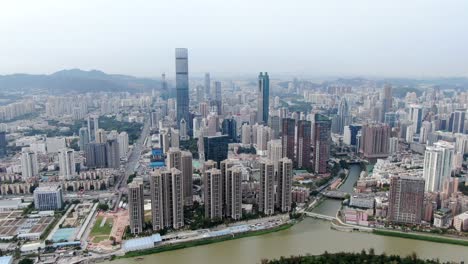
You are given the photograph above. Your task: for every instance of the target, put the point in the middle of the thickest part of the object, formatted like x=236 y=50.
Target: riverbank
x=418 y=236
x=201 y=242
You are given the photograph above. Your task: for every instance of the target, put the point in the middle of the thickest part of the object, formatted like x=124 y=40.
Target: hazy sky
x=305 y=37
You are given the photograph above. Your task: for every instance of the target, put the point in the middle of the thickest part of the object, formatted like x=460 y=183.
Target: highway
x=132 y=162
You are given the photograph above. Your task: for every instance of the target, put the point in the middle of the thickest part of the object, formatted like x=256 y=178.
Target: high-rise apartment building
x=67 y=163
x=182 y=85
x=287 y=138
x=437 y=165
x=303 y=144
x=263 y=98
x=405 y=204
x=112 y=154
x=284 y=184
x=96 y=155
x=275 y=152
x=187 y=177
x=321 y=142
x=212 y=183
x=246 y=137
x=29 y=164
x=122 y=139
x=375 y=140
x=233 y=193
x=266 y=199
x=101 y=136
x=136 y=209
x=387 y=101
x=167 y=203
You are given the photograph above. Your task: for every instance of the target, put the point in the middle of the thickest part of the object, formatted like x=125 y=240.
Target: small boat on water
x=139 y=258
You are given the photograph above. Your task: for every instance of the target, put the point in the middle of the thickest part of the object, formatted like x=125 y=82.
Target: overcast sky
x=407 y=38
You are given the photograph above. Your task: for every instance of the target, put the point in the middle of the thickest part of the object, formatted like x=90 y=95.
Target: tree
x=103 y=207
x=26 y=261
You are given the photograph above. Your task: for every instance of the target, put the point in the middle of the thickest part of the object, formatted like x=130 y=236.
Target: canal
x=310 y=236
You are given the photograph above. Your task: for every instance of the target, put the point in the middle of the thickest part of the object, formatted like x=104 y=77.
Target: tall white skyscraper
x=437 y=165
x=29 y=164
x=67 y=163
x=122 y=139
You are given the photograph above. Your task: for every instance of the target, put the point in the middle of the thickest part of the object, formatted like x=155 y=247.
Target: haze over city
x=302 y=38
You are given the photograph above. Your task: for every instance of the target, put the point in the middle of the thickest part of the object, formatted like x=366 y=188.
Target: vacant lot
x=101 y=229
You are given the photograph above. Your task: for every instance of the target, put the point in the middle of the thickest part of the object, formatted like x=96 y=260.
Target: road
x=132 y=162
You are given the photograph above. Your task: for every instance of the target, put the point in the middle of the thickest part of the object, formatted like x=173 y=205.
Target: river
x=310 y=236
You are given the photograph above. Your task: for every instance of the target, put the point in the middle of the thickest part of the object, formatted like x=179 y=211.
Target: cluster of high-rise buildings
x=171 y=190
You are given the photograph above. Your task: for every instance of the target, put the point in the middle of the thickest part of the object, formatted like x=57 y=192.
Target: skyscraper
x=457 y=121
x=405 y=204
x=207 y=86
x=229 y=128
x=437 y=165
x=167 y=205
x=212 y=183
x=122 y=139
x=200 y=93
x=112 y=154
x=93 y=126
x=344 y=118
x=29 y=164
x=3 y=143
x=416 y=116
x=263 y=98
x=303 y=144
x=217 y=98
x=96 y=155
x=84 y=137
x=387 y=101
x=136 y=206
x=289 y=127
x=321 y=142
x=266 y=199
x=182 y=85
x=216 y=148
x=284 y=184
x=67 y=163
x=375 y=140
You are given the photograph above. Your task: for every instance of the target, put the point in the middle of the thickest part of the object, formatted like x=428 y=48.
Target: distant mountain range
x=76 y=80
